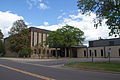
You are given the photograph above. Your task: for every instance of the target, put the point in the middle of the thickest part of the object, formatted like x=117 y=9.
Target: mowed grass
x=114 y=67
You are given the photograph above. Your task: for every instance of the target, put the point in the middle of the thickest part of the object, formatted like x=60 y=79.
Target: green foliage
x=1 y=35
x=71 y=36
x=20 y=40
x=2 y=49
x=54 y=39
x=17 y=27
x=104 y=9
x=19 y=37
x=67 y=36
x=25 y=52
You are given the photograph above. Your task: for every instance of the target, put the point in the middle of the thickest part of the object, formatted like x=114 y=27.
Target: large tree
x=55 y=40
x=2 y=50
x=1 y=35
x=66 y=37
x=17 y=27
x=19 y=37
x=104 y=9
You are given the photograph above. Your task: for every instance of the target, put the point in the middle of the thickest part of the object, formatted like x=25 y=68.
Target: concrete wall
x=47 y=50
x=114 y=51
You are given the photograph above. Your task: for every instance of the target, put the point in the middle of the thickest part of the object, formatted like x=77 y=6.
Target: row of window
x=95 y=53
x=38 y=38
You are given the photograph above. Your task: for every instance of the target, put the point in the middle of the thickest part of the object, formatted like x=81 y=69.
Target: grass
x=114 y=67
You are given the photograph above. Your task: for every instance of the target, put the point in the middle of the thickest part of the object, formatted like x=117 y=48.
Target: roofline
x=104 y=39
x=39 y=29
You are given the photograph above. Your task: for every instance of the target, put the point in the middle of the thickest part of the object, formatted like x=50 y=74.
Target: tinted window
x=90 y=53
x=95 y=53
x=32 y=38
x=37 y=37
x=84 y=53
x=111 y=43
x=101 y=52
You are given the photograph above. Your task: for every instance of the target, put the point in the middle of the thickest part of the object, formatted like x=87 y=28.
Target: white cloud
x=85 y=23
x=37 y=3
x=43 y=6
x=46 y=23
x=6 y=20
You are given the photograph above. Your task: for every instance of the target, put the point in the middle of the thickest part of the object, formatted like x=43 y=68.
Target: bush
x=25 y=52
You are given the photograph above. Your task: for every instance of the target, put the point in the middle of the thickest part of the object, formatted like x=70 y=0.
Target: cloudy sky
x=49 y=14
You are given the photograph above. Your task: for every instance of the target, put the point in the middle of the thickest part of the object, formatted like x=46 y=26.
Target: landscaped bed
x=114 y=67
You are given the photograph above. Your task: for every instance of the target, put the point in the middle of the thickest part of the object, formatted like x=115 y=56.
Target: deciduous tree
x=104 y=9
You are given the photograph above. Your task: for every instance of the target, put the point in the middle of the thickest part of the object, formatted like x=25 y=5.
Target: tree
x=55 y=40
x=25 y=52
x=38 y=48
x=104 y=9
x=2 y=50
x=71 y=36
x=66 y=37
x=1 y=35
x=19 y=36
x=17 y=27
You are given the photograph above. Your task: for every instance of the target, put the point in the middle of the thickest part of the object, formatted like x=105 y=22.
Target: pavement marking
x=28 y=73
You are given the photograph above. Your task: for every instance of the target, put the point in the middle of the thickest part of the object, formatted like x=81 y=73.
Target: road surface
x=48 y=70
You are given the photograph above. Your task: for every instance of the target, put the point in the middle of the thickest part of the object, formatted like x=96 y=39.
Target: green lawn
x=114 y=67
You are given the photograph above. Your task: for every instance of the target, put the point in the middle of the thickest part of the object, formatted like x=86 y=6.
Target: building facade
x=97 y=48
x=38 y=37
x=100 y=48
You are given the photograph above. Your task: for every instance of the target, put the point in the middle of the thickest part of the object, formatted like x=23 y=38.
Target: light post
x=109 y=52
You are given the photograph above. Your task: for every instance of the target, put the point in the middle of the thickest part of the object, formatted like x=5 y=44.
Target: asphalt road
x=10 y=70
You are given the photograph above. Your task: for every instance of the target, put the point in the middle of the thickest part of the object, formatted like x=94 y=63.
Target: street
x=48 y=70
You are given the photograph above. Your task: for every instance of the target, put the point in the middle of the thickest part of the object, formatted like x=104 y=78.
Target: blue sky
x=36 y=15
x=50 y=15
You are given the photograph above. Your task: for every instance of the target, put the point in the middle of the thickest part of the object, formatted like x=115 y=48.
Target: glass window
x=33 y=38
x=90 y=53
x=41 y=37
x=37 y=37
x=95 y=53
x=101 y=52
x=84 y=53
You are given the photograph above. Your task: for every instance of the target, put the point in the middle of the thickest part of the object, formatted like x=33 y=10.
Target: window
x=111 y=43
x=90 y=53
x=91 y=43
x=101 y=52
x=41 y=37
x=37 y=37
x=33 y=38
x=119 y=52
x=84 y=53
x=95 y=53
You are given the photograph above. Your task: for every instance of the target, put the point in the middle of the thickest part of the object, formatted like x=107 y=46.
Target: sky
x=50 y=15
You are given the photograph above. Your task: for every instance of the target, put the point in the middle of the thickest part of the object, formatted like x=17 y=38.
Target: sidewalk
x=27 y=59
